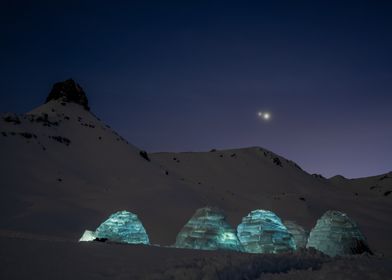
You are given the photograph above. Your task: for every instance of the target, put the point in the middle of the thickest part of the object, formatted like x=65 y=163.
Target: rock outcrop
x=208 y=230
x=336 y=234
x=262 y=231
x=68 y=91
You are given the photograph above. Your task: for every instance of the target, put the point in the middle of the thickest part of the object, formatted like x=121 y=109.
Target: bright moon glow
x=264 y=115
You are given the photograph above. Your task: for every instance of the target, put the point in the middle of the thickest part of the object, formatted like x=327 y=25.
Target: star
x=266 y=116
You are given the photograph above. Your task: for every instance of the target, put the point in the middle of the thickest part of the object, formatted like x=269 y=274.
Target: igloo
x=299 y=234
x=262 y=231
x=208 y=230
x=123 y=227
x=88 y=235
x=336 y=234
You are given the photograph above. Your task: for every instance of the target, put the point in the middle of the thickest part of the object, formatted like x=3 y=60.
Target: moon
x=266 y=116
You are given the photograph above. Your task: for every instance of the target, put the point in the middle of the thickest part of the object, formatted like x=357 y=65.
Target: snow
x=63 y=170
x=20 y=258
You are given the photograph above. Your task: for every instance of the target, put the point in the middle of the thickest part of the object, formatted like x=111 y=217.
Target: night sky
x=191 y=76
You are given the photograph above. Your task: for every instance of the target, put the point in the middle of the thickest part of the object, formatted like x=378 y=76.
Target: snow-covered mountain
x=63 y=171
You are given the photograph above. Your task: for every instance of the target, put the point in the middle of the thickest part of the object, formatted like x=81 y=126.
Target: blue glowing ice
x=208 y=230
x=336 y=234
x=123 y=227
x=263 y=232
x=300 y=235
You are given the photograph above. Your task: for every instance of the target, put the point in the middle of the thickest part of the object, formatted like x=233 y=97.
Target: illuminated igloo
x=336 y=234
x=123 y=227
x=299 y=234
x=87 y=236
x=208 y=230
x=262 y=231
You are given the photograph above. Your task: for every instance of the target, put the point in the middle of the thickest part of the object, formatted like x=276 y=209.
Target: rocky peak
x=69 y=91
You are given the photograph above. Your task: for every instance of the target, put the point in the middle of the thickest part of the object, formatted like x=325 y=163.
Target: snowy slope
x=63 y=171
x=255 y=175
x=246 y=179
x=42 y=259
x=53 y=187
x=375 y=186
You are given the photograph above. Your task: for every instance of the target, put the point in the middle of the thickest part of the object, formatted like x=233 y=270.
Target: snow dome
x=208 y=230
x=263 y=232
x=336 y=234
x=299 y=233
x=123 y=227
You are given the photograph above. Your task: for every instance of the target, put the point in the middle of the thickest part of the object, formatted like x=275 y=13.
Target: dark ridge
x=12 y=119
x=28 y=135
x=318 y=176
x=69 y=91
x=387 y=193
x=60 y=139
